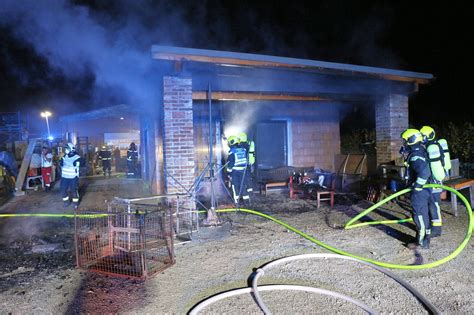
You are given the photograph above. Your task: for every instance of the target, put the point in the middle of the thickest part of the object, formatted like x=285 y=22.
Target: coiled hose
x=441 y=261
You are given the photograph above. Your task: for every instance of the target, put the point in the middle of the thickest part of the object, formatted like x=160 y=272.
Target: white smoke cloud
x=77 y=42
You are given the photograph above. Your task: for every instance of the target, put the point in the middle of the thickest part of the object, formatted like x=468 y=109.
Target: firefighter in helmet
x=70 y=164
x=428 y=135
x=236 y=167
x=105 y=156
x=419 y=174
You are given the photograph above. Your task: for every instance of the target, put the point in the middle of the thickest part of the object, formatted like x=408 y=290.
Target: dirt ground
x=38 y=274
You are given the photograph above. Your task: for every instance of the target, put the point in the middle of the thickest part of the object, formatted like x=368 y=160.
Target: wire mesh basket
x=124 y=240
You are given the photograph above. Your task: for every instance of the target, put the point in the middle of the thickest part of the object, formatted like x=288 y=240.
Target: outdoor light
x=121 y=118
x=45 y=115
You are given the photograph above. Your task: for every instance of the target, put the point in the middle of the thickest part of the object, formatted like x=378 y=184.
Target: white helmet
x=69 y=148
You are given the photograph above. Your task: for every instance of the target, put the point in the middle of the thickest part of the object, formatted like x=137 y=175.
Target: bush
x=459 y=138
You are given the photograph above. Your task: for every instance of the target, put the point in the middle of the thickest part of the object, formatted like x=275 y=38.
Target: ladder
x=25 y=164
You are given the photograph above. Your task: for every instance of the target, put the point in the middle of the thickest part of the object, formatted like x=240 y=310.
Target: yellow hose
x=456 y=252
x=376 y=262
x=52 y=215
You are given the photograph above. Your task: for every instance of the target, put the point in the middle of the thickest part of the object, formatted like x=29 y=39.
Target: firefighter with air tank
x=419 y=174
x=249 y=147
x=440 y=164
x=236 y=169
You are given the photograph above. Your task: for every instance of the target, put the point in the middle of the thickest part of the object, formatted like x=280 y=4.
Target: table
x=458 y=184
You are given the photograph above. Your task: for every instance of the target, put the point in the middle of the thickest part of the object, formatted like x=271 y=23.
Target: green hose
x=456 y=252
x=53 y=215
x=376 y=262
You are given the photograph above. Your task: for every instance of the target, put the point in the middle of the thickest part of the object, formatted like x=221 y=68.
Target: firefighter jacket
x=419 y=169
x=70 y=164
x=237 y=159
x=132 y=155
x=105 y=155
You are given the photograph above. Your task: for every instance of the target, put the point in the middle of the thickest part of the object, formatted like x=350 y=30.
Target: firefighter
x=436 y=159
x=132 y=158
x=236 y=167
x=249 y=147
x=70 y=163
x=46 y=167
x=419 y=174
x=105 y=156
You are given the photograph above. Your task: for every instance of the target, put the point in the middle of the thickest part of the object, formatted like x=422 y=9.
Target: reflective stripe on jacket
x=68 y=168
x=237 y=159
x=132 y=155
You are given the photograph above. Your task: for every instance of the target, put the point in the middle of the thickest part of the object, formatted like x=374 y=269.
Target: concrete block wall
x=315 y=144
x=178 y=138
x=391 y=118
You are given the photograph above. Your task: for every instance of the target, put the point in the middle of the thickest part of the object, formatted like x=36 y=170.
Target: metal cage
x=185 y=218
x=124 y=240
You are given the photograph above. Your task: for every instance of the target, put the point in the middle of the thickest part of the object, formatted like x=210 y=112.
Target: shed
x=290 y=107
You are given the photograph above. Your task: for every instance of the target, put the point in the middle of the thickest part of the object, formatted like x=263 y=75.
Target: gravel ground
x=222 y=258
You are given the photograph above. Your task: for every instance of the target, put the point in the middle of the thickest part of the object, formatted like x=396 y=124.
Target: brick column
x=179 y=153
x=391 y=118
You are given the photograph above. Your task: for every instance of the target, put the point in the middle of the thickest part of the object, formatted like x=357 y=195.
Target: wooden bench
x=274 y=186
x=458 y=184
x=274 y=179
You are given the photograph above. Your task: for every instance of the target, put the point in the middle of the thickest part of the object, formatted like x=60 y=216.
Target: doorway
x=271 y=144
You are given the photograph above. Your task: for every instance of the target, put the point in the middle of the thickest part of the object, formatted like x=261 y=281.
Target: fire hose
x=255 y=289
x=345 y=255
x=441 y=261
x=349 y=224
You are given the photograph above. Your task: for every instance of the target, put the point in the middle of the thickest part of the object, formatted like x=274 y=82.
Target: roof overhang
x=225 y=58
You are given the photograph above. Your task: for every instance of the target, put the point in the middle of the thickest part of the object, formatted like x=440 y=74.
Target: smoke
x=240 y=117
x=83 y=45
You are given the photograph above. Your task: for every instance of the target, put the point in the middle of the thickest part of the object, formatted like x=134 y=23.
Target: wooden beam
x=255 y=96
x=261 y=63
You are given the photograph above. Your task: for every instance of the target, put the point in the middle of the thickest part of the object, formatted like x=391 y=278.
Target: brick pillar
x=391 y=118
x=179 y=153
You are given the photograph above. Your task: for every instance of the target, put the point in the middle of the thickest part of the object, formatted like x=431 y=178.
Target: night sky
x=76 y=55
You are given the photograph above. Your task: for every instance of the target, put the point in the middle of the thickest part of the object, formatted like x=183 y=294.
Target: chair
x=326 y=195
x=295 y=189
x=32 y=181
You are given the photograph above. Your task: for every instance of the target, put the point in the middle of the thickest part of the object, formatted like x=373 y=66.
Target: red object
x=295 y=189
x=46 y=174
x=32 y=171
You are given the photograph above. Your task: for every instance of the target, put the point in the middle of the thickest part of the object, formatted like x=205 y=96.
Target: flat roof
x=173 y=53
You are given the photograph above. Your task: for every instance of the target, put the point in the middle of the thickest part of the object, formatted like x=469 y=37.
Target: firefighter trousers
x=435 y=212
x=106 y=166
x=239 y=186
x=72 y=185
x=420 y=203
x=131 y=168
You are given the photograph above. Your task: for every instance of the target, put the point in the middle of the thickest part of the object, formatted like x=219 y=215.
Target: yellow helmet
x=411 y=136
x=242 y=136
x=428 y=132
x=232 y=140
